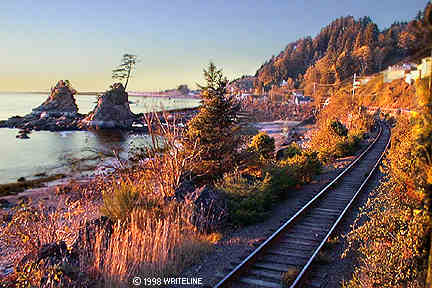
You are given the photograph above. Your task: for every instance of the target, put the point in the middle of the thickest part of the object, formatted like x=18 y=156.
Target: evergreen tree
x=125 y=69
x=212 y=130
x=422 y=31
x=371 y=34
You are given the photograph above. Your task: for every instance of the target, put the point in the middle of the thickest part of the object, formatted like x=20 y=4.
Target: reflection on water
x=111 y=141
x=105 y=136
x=61 y=152
x=58 y=152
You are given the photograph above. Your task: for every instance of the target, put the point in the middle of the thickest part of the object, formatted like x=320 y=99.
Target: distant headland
x=173 y=93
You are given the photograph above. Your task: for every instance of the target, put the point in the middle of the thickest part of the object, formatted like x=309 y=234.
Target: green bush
x=263 y=145
x=339 y=128
x=303 y=166
x=249 y=201
x=251 y=198
x=120 y=202
x=291 y=151
x=348 y=147
x=280 y=181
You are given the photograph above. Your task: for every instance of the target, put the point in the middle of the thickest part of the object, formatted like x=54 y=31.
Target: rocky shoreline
x=50 y=122
x=60 y=113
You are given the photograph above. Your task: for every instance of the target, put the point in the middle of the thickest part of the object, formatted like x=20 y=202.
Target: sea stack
x=58 y=113
x=60 y=102
x=112 y=110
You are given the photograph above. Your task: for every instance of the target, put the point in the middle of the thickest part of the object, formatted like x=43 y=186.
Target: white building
x=425 y=67
x=301 y=100
x=297 y=94
x=393 y=73
x=412 y=76
x=423 y=70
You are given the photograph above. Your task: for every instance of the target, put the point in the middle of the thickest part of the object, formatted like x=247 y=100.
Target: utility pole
x=430 y=74
x=353 y=89
x=429 y=268
x=356 y=84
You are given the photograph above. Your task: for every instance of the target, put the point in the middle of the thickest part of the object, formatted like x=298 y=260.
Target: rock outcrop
x=112 y=110
x=44 y=121
x=58 y=113
x=86 y=242
x=210 y=208
x=62 y=267
x=209 y=205
x=60 y=102
x=58 y=266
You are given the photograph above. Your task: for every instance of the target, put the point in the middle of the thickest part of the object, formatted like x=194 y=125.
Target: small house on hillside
x=395 y=72
x=297 y=93
x=425 y=67
x=411 y=77
x=422 y=70
x=300 y=99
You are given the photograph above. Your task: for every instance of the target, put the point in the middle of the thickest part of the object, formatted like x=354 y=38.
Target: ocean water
x=59 y=152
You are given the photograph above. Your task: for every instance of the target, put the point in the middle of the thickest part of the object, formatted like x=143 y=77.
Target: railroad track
x=296 y=244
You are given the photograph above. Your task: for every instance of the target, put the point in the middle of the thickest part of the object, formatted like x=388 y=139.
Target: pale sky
x=44 y=41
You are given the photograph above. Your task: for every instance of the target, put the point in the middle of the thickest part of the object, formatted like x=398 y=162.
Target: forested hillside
x=344 y=47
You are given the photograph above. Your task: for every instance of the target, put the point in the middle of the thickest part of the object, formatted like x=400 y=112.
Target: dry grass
x=148 y=248
x=158 y=238
x=33 y=226
x=174 y=162
x=390 y=235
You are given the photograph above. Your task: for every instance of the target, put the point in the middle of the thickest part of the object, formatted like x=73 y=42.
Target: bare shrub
x=33 y=226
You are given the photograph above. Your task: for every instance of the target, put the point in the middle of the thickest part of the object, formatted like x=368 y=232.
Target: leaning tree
x=124 y=70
